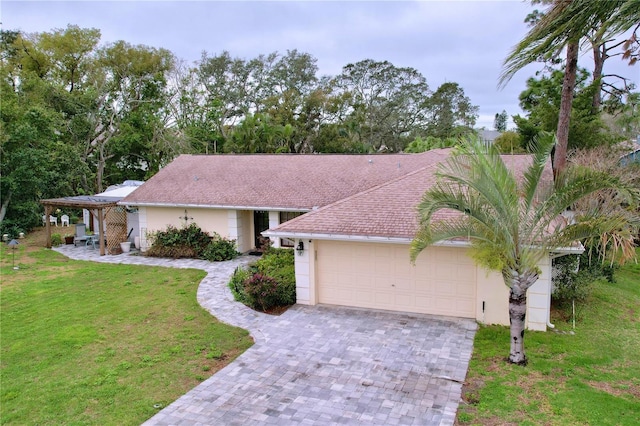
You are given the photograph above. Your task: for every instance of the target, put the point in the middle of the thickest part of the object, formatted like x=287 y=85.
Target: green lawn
x=590 y=377
x=89 y=343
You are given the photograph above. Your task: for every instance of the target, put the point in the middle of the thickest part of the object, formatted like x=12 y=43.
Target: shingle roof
x=388 y=210
x=277 y=181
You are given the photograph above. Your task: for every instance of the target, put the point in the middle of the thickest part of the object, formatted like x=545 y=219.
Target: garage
x=380 y=276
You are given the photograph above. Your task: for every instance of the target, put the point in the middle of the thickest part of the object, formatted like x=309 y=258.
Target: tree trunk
x=517 y=315
x=566 y=100
x=5 y=205
x=519 y=283
x=599 y=57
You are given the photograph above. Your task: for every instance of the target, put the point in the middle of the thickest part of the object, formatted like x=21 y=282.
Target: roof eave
x=213 y=206
x=356 y=238
x=560 y=251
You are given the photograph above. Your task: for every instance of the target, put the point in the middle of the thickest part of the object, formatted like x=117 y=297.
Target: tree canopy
x=79 y=115
x=561 y=27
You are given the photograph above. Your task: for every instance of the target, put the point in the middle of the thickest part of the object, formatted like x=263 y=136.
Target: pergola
x=95 y=205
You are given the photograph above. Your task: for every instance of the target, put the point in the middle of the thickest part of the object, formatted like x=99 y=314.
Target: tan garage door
x=380 y=276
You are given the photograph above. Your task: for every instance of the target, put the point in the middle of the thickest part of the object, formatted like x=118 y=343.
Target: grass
x=90 y=343
x=590 y=377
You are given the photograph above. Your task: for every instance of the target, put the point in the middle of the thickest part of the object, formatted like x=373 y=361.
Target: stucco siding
x=539 y=298
x=494 y=295
x=209 y=220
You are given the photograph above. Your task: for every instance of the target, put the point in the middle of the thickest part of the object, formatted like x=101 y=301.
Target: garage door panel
x=362 y=282
x=384 y=300
x=465 y=305
x=363 y=299
x=384 y=251
x=405 y=284
x=466 y=273
x=463 y=287
x=383 y=268
x=446 y=290
x=380 y=276
x=334 y=294
x=405 y=299
x=427 y=303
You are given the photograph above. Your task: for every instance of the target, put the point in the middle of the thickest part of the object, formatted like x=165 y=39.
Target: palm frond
x=541 y=153
x=508 y=225
x=565 y=21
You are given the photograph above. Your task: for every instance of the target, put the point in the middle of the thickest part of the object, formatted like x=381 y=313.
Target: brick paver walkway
x=319 y=365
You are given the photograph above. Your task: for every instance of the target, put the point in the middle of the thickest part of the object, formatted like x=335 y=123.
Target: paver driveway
x=322 y=364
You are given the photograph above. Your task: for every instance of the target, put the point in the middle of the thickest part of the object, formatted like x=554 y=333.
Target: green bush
x=236 y=285
x=220 y=249
x=10 y=227
x=56 y=240
x=173 y=252
x=573 y=278
x=261 y=291
x=268 y=283
x=509 y=143
x=191 y=242
x=280 y=264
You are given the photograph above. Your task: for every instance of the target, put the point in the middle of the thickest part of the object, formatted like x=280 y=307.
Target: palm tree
x=562 y=26
x=512 y=223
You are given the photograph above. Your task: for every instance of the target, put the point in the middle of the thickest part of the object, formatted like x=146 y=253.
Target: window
x=285 y=217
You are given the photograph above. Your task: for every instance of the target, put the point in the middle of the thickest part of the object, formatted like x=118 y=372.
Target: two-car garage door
x=380 y=276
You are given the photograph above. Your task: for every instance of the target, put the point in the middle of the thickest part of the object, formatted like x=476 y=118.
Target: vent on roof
x=370 y=161
x=195 y=178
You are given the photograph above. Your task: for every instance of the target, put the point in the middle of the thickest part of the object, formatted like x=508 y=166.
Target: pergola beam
x=80 y=202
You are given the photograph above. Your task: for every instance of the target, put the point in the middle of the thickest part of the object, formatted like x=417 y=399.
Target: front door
x=260 y=224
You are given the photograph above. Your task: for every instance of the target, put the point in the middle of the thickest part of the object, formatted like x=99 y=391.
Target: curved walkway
x=319 y=364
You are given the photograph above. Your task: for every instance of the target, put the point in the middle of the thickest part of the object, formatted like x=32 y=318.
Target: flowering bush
x=261 y=291
x=269 y=283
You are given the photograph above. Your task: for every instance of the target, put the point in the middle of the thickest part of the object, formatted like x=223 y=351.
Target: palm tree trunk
x=517 y=315
x=566 y=100
x=519 y=283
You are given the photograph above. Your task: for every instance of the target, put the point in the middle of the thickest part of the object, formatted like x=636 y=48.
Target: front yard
x=589 y=377
x=92 y=343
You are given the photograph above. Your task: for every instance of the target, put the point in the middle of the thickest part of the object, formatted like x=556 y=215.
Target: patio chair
x=52 y=219
x=81 y=234
x=64 y=220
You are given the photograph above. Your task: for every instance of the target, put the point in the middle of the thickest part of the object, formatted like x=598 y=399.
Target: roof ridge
x=312 y=154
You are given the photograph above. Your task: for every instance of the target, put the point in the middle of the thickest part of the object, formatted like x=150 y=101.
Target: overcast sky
x=457 y=41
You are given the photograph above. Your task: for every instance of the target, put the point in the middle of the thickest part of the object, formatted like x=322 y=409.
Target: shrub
x=56 y=240
x=261 y=291
x=269 y=283
x=573 y=278
x=220 y=249
x=10 y=227
x=187 y=242
x=236 y=285
x=280 y=264
x=509 y=143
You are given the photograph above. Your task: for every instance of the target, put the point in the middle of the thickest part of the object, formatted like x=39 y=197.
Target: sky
x=447 y=41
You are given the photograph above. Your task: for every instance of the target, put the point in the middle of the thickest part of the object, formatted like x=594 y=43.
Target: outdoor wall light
x=300 y=248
